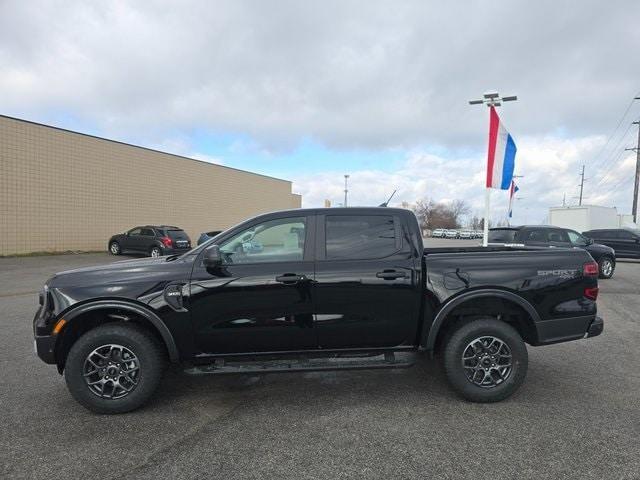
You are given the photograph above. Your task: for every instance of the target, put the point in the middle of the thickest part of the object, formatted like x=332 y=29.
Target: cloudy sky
x=309 y=91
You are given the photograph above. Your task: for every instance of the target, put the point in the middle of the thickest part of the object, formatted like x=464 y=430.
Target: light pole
x=490 y=99
x=346 y=189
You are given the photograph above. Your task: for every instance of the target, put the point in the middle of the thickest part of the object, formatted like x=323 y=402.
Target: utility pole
x=564 y=199
x=490 y=99
x=346 y=189
x=634 y=209
x=581 y=185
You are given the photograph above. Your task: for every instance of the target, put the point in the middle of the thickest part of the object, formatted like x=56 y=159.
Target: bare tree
x=459 y=209
x=432 y=215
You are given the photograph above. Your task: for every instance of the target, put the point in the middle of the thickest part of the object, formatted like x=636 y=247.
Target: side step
x=303 y=364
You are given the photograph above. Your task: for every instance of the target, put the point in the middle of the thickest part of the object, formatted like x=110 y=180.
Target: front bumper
x=45 y=348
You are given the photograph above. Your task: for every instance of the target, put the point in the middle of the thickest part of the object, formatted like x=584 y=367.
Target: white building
x=588 y=217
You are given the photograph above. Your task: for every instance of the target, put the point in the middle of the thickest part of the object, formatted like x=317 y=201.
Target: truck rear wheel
x=114 y=368
x=485 y=360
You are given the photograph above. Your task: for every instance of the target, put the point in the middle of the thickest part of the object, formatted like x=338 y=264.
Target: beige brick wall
x=61 y=190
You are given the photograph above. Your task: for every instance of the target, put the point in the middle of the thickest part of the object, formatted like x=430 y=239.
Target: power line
x=608 y=177
x=617 y=126
x=608 y=163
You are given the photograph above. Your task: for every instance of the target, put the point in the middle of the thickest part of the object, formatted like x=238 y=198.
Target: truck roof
x=355 y=210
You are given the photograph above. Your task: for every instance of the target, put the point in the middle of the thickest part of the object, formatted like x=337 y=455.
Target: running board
x=302 y=364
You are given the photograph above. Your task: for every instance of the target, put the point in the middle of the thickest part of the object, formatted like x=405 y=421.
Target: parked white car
x=466 y=234
x=451 y=234
x=438 y=233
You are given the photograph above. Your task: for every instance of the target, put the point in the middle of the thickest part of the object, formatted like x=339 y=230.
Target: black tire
x=157 y=250
x=606 y=267
x=151 y=358
x=458 y=343
x=114 y=248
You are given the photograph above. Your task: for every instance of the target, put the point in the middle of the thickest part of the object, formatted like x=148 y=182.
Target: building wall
x=60 y=190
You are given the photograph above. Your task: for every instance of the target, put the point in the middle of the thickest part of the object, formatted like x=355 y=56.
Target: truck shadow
x=425 y=378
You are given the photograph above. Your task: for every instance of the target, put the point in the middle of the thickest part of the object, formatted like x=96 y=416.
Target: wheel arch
x=150 y=320
x=440 y=320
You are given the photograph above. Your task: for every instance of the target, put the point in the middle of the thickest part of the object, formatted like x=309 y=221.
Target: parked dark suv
x=152 y=240
x=625 y=241
x=549 y=236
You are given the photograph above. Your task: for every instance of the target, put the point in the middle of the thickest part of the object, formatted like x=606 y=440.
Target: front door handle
x=391 y=274
x=290 y=278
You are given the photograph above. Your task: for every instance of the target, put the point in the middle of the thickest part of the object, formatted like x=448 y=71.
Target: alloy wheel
x=487 y=361
x=111 y=371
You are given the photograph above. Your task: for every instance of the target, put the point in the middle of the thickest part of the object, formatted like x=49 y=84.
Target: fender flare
x=144 y=312
x=486 y=293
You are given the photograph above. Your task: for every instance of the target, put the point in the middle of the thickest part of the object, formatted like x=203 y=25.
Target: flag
x=512 y=192
x=502 y=154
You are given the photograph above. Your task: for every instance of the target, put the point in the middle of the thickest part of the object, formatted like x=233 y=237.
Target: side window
x=360 y=237
x=280 y=240
x=135 y=232
x=576 y=239
x=536 y=236
x=147 y=232
x=558 y=236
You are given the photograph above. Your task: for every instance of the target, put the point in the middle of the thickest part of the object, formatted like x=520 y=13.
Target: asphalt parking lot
x=577 y=415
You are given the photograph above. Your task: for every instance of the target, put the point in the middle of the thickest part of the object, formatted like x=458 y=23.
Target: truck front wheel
x=485 y=360
x=114 y=368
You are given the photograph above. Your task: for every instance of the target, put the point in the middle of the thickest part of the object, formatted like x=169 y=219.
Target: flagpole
x=487 y=213
x=490 y=99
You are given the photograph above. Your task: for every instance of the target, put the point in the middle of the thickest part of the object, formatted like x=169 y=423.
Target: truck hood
x=122 y=271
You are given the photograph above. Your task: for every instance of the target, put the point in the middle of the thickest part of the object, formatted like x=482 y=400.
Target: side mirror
x=212 y=257
x=589 y=241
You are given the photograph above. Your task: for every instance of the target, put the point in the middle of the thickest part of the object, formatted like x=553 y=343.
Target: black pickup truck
x=313 y=289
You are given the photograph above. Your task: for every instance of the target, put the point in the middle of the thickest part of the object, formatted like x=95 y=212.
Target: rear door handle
x=391 y=274
x=290 y=278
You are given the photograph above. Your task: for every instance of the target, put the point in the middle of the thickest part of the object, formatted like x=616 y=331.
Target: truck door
x=259 y=299
x=366 y=290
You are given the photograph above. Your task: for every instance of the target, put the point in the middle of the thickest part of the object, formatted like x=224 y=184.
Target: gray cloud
x=346 y=74
x=365 y=74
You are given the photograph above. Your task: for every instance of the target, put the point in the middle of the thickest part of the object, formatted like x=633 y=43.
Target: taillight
x=590 y=269
x=167 y=242
x=591 y=293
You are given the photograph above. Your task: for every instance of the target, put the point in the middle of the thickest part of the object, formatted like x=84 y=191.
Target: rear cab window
x=503 y=236
x=361 y=237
